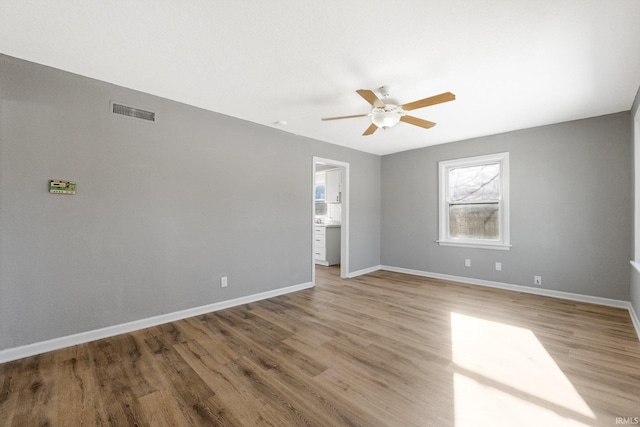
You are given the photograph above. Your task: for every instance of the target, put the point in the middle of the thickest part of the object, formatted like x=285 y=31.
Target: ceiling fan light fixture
x=385 y=119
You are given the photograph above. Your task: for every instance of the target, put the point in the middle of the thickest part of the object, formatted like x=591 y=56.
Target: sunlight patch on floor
x=504 y=376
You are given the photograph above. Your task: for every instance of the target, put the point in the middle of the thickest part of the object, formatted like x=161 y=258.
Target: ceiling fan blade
x=344 y=117
x=432 y=100
x=417 y=122
x=371 y=129
x=370 y=97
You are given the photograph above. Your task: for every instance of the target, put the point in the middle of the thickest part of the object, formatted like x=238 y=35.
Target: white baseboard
x=634 y=319
x=110 y=331
x=363 y=271
x=519 y=288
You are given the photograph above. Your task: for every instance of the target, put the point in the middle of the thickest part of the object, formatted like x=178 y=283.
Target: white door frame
x=636 y=171
x=344 y=229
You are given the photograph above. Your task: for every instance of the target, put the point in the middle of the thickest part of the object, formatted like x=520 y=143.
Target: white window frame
x=504 y=241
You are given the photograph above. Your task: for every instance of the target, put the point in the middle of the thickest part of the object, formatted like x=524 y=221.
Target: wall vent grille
x=133 y=112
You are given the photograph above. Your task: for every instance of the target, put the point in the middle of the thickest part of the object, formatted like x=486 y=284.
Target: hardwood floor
x=385 y=349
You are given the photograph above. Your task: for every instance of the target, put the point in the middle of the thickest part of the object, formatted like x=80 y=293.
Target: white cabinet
x=326 y=245
x=334 y=186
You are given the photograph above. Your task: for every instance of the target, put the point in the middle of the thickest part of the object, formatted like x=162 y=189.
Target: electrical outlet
x=498 y=266
x=467 y=262
x=223 y=282
x=537 y=280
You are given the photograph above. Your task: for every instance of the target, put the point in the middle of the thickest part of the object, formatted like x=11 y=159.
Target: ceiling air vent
x=133 y=112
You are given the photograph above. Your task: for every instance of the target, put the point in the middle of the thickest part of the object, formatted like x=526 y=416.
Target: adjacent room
x=414 y=213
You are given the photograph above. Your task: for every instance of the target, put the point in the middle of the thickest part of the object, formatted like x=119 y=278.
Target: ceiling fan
x=387 y=114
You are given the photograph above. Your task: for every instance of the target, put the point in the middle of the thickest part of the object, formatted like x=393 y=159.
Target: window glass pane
x=321 y=208
x=474 y=183
x=474 y=221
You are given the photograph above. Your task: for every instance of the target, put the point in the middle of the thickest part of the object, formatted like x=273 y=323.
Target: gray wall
x=571 y=208
x=162 y=211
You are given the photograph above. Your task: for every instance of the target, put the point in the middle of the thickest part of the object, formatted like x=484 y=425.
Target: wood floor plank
x=382 y=349
x=73 y=378
x=34 y=393
x=163 y=410
x=114 y=380
x=233 y=398
x=9 y=376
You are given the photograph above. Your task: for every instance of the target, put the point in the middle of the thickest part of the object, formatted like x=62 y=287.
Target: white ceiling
x=512 y=64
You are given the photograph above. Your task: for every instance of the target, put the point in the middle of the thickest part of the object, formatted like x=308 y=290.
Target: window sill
x=493 y=246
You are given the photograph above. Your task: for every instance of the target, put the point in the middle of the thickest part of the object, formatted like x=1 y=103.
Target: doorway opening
x=330 y=215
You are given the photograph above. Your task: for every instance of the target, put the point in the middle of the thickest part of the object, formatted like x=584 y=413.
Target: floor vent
x=133 y=112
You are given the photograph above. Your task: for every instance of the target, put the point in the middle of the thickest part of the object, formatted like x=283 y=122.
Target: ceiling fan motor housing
x=384 y=91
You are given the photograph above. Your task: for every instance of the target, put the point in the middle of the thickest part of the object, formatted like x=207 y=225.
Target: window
x=320 y=193
x=474 y=202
